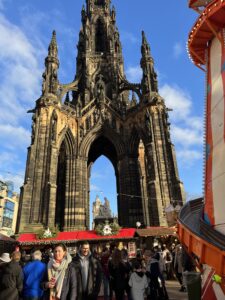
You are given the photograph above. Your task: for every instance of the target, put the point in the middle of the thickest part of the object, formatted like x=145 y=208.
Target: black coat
x=11 y=281
x=119 y=275
x=69 y=288
x=94 y=278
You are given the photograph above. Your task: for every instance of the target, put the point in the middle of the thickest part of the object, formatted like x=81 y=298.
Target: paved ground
x=173 y=291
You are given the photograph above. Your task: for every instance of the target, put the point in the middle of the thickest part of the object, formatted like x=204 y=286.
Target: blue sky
x=25 y=32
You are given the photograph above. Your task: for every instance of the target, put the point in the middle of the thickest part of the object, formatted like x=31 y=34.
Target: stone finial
x=53 y=48
x=145 y=48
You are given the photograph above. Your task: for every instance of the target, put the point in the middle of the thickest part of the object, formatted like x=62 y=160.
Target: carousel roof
x=207 y=26
x=74 y=236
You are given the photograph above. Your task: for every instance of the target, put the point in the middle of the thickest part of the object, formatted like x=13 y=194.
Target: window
x=8 y=214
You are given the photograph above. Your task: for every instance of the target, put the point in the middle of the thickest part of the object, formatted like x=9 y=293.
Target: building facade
x=99 y=113
x=9 y=202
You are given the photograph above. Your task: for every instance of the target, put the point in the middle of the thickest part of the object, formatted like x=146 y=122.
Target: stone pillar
x=130 y=198
x=155 y=205
x=81 y=209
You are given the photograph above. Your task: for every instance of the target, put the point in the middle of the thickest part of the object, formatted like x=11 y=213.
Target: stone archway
x=102 y=146
x=127 y=172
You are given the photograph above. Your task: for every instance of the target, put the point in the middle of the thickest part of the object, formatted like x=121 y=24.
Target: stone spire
x=145 y=48
x=149 y=80
x=50 y=76
x=99 y=50
x=53 y=48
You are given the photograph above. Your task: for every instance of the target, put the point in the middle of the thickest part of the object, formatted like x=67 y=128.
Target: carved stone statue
x=54 y=128
x=100 y=90
x=33 y=129
x=101 y=210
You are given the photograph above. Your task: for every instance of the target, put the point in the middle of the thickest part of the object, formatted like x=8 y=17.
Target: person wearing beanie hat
x=11 y=277
x=33 y=273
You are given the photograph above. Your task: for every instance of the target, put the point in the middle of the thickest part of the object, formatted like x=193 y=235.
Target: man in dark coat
x=11 y=278
x=89 y=274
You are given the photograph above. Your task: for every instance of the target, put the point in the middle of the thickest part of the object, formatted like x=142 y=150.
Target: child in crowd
x=138 y=282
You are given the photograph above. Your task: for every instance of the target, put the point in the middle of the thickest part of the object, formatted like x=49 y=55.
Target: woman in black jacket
x=119 y=272
x=60 y=282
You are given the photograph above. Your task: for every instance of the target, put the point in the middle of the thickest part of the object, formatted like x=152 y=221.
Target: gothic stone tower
x=75 y=123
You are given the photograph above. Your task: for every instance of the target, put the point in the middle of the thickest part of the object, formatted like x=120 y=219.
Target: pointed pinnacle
x=53 y=49
x=145 y=45
x=144 y=40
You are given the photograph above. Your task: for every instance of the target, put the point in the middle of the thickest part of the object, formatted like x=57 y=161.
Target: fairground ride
x=201 y=225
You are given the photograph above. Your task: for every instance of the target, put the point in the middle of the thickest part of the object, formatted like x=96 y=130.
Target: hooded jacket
x=138 y=285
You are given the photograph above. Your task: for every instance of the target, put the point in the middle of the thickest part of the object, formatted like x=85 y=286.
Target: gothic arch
x=67 y=136
x=108 y=133
x=137 y=134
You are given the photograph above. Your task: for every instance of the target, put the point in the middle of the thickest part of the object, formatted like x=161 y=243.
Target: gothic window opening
x=100 y=36
x=133 y=98
x=61 y=188
x=100 y=2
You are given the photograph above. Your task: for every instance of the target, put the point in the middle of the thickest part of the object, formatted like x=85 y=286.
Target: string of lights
x=11 y=173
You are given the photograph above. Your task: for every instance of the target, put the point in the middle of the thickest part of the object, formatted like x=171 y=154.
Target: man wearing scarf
x=89 y=274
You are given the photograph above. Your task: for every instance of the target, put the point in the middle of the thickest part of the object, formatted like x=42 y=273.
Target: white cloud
x=178 y=49
x=95 y=188
x=129 y=37
x=186 y=128
x=9 y=161
x=20 y=84
x=188 y=157
x=178 y=100
x=134 y=74
x=97 y=175
x=14 y=137
x=186 y=136
x=6 y=159
x=17 y=180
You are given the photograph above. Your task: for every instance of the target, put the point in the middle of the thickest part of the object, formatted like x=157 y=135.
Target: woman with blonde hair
x=60 y=282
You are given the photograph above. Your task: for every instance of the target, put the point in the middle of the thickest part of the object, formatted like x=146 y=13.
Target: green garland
x=44 y=234
x=108 y=229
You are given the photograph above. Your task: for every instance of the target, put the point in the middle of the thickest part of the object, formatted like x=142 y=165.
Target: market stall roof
x=207 y=26
x=156 y=231
x=5 y=238
x=75 y=236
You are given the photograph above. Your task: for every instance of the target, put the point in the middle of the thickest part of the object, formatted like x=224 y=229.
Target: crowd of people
x=59 y=276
